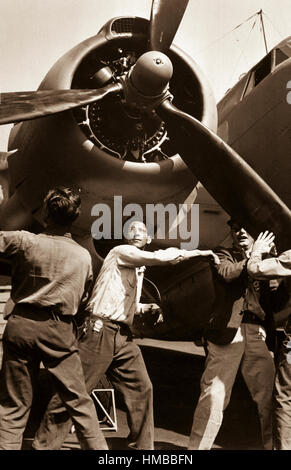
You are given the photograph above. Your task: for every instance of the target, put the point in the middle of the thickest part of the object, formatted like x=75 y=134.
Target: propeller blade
x=21 y=106
x=227 y=177
x=166 y=16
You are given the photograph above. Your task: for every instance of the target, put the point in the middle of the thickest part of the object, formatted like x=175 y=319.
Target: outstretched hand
x=216 y=259
x=194 y=253
x=213 y=255
x=264 y=243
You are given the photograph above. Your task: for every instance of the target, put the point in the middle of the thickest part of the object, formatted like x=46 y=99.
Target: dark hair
x=62 y=205
x=233 y=223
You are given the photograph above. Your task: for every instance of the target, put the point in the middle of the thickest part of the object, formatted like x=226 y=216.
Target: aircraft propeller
x=22 y=106
x=227 y=177
x=166 y=16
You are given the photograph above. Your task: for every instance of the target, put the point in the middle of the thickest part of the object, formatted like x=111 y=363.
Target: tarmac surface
x=175 y=369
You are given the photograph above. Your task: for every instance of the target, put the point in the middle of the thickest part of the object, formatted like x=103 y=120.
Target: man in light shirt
x=277 y=267
x=107 y=346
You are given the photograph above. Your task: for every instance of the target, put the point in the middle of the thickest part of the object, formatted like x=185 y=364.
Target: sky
x=35 y=33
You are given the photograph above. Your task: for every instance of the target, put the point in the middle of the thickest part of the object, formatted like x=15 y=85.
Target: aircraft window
x=280 y=57
x=263 y=69
x=251 y=84
x=258 y=74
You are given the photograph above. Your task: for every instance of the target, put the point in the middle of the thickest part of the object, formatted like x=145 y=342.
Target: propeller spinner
x=151 y=74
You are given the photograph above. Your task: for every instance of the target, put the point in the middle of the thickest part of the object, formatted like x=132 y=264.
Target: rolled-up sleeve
x=10 y=242
x=131 y=256
x=270 y=268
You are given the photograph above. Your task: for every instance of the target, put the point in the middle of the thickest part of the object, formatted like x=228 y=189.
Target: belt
x=33 y=312
x=95 y=318
x=250 y=317
x=97 y=323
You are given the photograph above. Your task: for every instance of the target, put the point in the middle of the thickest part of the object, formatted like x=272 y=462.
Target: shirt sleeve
x=89 y=281
x=131 y=256
x=82 y=310
x=270 y=268
x=229 y=269
x=10 y=242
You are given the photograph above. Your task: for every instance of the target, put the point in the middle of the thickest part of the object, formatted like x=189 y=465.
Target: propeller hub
x=151 y=73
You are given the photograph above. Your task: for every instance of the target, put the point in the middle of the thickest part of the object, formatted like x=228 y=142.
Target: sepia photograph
x=145 y=228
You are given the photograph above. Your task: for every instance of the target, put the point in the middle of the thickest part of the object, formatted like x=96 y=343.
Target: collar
x=56 y=232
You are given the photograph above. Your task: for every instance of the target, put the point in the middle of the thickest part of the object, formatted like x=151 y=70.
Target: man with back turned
x=51 y=275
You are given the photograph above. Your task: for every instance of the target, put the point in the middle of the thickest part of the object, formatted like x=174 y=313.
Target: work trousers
x=249 y=350
x=111 y=351
x=26 y=342
x=282 y=397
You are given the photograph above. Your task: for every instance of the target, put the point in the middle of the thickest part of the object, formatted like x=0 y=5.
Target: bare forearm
x=135 y=257
x=270 y=268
